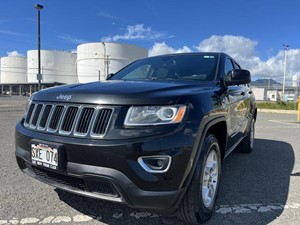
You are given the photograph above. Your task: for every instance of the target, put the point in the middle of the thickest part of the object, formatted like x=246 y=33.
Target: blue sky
x=260 y=27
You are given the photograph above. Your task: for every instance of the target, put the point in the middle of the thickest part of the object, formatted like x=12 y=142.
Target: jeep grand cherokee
x=152 y=136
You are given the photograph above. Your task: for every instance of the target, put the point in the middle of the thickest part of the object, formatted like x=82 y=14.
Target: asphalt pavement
x=257 y=188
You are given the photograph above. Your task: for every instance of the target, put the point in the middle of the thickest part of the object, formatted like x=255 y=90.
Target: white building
x=260 y=93
x=13 y=69
x=273 y=95
x=56 y=66
x=92 y=62
x=96 y=60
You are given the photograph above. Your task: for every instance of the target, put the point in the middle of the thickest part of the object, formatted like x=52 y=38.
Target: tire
x=246 y=145
x=198 y=204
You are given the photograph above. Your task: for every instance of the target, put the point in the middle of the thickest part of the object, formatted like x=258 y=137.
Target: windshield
x=201 y=67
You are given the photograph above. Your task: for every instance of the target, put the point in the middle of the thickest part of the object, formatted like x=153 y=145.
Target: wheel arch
x=216 y=126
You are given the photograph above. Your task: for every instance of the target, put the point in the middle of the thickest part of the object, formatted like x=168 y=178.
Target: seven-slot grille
x=78 y=120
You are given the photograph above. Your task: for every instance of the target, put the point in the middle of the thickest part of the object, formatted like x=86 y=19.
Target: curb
x=294 y=112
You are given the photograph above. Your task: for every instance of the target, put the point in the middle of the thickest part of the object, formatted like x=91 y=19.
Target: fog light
x=155 y=164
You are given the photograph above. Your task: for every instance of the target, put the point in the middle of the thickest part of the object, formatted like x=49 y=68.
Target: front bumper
x=109 y=170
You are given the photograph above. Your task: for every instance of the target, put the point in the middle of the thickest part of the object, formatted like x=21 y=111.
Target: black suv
x=152 y=136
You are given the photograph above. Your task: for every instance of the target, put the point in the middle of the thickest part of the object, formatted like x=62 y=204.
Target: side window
x=236 y=66
x=228 y=66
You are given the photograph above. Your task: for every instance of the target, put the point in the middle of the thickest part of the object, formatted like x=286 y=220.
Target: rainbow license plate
x=44 y=155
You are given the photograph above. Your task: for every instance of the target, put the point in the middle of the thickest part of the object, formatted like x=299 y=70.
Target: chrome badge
x=64 y=97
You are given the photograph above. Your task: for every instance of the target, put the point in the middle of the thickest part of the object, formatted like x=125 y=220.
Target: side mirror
x=109 y=76
x=237 y=76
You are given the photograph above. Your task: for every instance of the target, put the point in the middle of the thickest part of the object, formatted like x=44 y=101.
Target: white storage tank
x=56 y=66
x=96 y=60
x=13 y=69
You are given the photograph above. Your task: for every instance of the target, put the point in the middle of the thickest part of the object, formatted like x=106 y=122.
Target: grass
x=277 y=105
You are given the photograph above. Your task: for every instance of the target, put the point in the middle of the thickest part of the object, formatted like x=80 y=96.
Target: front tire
x=199 y=201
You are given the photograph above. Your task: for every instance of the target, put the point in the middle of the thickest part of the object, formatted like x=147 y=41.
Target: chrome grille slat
x=70 y=119
x=102 y=121
x=45 y=116
x=56 y=116
x=29 y=114
x=84 y=120
x=36 y=115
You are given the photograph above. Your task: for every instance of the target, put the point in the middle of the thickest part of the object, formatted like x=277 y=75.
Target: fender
x=207 y=122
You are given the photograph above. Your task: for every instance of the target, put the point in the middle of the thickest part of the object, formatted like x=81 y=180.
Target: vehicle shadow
x=249 y=181
x=260 y=180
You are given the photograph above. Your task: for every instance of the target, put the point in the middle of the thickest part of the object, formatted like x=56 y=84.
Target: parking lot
x=259 y=188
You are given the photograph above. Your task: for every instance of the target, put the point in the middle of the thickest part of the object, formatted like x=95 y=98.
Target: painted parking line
x=289 y=122
x=48 y=220
x=255 y=208
x=222 y=209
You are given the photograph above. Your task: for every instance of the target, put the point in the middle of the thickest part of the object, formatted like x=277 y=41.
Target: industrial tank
x=13 y=69
x=96 y=60
x=56 y=66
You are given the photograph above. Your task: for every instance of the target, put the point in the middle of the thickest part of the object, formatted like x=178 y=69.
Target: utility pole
x=286 y=47
x=104 y=59
x=107 y=65
x=39 y=74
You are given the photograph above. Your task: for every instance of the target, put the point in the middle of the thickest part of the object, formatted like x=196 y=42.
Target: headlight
x=154 y=115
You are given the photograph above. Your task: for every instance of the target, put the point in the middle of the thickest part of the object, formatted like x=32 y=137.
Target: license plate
x=44 y=155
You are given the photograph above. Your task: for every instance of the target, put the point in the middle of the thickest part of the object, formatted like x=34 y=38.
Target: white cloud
x=71 y=39
x=107 y=15
x=236 y=46
x=244 y=51
x=10 y=32
x=138 y=32
x=162 y=48
x=14 y=54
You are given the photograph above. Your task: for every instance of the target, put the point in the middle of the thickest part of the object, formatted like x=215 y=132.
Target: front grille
x=72 y=120
x=93 y=185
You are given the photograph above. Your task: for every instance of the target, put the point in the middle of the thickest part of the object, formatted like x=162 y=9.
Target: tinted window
x=236 y=66
x=200 y=67
x=228 y=66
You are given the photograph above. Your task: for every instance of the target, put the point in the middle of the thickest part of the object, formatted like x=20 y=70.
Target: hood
x=116 y=92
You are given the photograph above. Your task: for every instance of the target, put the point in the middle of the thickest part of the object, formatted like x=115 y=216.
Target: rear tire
x=198 y=204
x=246 y=146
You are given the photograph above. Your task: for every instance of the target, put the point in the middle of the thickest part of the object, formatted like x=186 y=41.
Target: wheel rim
x=252 y=134
x=210 y=179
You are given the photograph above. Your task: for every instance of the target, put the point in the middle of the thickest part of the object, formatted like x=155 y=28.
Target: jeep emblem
x=64 y=97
